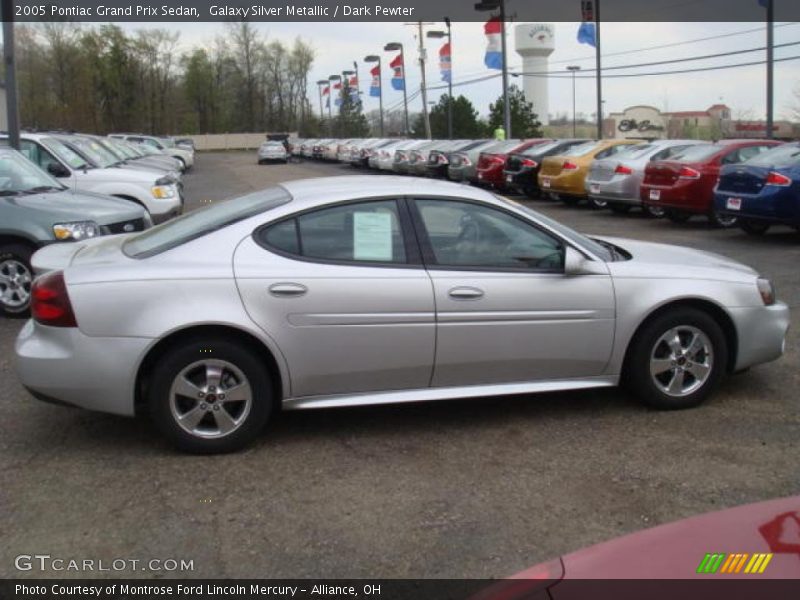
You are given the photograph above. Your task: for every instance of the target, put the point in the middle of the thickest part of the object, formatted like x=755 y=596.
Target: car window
x=634 y=152
x=583 y=149
x=780 y=157
x=366 y=232
x=18 y=174
x=697 y=153
x=464 y=234
x=668 y=153
x=731 y=158
x=65 y=153
x=36 y=154
x=751 y=151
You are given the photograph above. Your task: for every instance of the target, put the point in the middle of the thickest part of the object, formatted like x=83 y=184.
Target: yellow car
x=563 y=177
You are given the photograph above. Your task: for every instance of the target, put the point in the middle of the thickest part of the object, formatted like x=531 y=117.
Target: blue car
x=762 y=191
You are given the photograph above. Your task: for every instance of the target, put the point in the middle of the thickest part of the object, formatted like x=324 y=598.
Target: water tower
x=535 y=42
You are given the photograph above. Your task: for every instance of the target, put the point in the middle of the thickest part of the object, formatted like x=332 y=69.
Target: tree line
x=104 y=79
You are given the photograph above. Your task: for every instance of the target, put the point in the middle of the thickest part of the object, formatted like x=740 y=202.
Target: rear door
x=344 y=294
x=505 y=310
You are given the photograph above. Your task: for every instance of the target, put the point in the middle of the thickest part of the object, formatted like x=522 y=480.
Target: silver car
x=614 y=182
x=272 y=152
x=350 y=291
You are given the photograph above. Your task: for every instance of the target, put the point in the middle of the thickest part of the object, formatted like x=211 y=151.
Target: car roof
x=324 y=190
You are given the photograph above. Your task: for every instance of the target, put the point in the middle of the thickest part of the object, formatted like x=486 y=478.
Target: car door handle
x=465 y=293
x=287 y=290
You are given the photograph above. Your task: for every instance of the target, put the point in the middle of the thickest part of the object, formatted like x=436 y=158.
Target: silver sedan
x=271 y=152
x=352 y=291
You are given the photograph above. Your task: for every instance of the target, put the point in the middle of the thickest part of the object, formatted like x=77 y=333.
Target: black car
x=521 y=170
x=439 y=159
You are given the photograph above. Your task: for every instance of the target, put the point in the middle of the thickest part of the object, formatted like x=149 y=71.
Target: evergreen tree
x=466 y=124
x=350 y=122
x=524 y=122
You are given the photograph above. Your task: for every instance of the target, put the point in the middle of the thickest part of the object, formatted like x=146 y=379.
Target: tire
x=678 y=216
x=620 y=209
x=754 y=227
x=569 y=200
x=182 y=162
x=649 y=351
x=722 y=221
x=656 y=212
x=532 y=192
x=598 y=204
x=190 y=361
x=16 y=277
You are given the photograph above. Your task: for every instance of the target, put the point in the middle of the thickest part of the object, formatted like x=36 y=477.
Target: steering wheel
x=470 y=230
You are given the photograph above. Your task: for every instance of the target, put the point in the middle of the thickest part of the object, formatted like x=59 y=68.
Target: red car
x=684 y=185
x=750 y=543
x=491 y=164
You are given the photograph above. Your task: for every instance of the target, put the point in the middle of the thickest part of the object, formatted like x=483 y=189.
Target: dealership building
x=714 y=123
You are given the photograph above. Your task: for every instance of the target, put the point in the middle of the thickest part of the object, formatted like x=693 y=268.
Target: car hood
x=653 y=260
x=121 y=175
x=81 y=206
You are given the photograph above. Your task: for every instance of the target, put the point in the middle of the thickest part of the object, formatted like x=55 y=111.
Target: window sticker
x=372 y=236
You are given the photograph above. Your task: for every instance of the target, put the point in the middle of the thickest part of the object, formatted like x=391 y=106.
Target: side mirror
x=573 y=262
x=57 y=170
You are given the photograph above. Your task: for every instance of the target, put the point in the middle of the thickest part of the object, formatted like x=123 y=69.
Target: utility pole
x=449 y=36
x=11 y=73
x=573 y=69
x=422 y=56
x=770 y=68
x=487 y=5
x=599 y=72
x=375 y=58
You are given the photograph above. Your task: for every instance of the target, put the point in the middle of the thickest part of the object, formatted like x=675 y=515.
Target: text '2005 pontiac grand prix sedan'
x=351 y=291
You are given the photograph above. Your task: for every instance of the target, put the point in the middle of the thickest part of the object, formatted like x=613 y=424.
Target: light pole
x=393 y=47
x=448 y=34
x=573 y=69
x=330 y=97
x=770 y=67
x=346 y=75
x=489 y=5
x=375 y=58
x=320 y=83
x=12 y=108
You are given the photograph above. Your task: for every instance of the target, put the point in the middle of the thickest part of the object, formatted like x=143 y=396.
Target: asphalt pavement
x=479 y=488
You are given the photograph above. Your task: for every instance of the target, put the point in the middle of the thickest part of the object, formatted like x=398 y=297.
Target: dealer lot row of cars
x=752 y=183
x=67 y=187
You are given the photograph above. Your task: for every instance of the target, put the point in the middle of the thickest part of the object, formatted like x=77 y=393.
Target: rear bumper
x=572 y=184
x=68 y=367
x=761 y=332
x=688 y=197
x=620 y=191
x=777 y=206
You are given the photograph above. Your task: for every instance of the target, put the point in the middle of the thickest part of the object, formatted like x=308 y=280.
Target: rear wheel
x=754 y=227
x=210 y=396
x=656 y=212
x=620 y=209
x=16 y=278
x=723 y=221
x=532 y=192
x=678 y=216
x=677 y=359
x=598 y=204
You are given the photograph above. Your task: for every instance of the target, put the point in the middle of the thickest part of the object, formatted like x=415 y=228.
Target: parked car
x=165 y=146
x=272 y=152
x=36 y=210
x=418 y=162
x=522 y=169
x=614 y=182
x=492 y=162
x=384 y=153
x=186 y=143
x=439 y=158
x=403 y=157
x=684 y=185
x=129 y=155
x=463 y=164
x=361 y=152
x=762 y=191
x=156 y=193
x=306 y=284
x=149 y=151
x=563 y=177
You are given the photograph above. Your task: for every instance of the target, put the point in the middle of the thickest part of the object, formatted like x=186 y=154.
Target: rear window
x=780 y=157
x=540 y=149
x=635 y=151
x=583 y=149
x=202 y=222
x=697 y=153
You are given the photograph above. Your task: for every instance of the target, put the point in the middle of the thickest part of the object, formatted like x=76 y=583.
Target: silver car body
x=384 y=153
x=367 y=334
x=604 y=182
x=272 y=151
x=464 y=164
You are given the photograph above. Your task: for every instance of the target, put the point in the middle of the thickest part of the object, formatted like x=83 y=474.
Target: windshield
x=780 y=157
x=94 y=152
x=119 y=148
x=168 y=142
x=503 y=147
x=19 y=175
x=111 y=149
x=202 y=222
x=146 y=149
x=65 y=153
x=570 y=234
x=697 y=153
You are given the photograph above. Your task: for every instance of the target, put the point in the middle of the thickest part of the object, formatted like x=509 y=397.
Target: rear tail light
x=442 y=159
x=623 y=170
x=527 y=162
x=777 y=179
x=688 y=173
x=401 y=156
x=569 y=166
x=50 y=303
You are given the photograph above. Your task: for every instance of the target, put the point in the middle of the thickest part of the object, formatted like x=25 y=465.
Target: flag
x=326 y=90
x=445 y=63
x=494 y=47
x=587 y=34
x=375 y=86
x=398 y=78
x=338 y=87
x=353 y=87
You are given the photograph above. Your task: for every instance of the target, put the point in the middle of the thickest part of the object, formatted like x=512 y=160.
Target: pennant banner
x=587 y=34
x=375 y=86
x=338 y=87
x=446 y=63
x=494 y=45
x=398 y=77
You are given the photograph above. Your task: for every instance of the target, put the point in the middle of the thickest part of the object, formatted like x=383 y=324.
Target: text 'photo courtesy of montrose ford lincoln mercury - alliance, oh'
x=345 y=291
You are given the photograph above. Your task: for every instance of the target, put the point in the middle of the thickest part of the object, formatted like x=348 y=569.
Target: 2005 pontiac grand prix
x=356 y=290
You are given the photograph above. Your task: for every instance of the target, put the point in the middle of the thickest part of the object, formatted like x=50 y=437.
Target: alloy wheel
x=15 y=284
x=681 y=361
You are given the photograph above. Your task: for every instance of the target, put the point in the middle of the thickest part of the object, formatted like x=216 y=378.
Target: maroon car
x=684 y=185
x=491 y=164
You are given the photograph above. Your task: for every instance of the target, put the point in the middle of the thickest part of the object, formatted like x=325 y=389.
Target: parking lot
x=460 y=489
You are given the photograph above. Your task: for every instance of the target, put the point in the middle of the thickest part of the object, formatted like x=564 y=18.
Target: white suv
x=164 y=145
x=159 y=195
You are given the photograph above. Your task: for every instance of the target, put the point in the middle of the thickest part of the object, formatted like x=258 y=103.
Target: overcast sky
x=743 y=89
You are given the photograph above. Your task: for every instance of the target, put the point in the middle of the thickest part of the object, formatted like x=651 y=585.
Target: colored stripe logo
x=751 y=564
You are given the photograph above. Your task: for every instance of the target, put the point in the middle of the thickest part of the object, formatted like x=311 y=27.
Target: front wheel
x=16 y=278
x=678 y=359
x=656 y=212
x=754 y=227
x=722 y=221
x=210 y=396
x=678 y=216
x=597 y=203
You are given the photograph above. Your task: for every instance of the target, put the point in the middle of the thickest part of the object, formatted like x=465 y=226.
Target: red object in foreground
x=50 y=304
